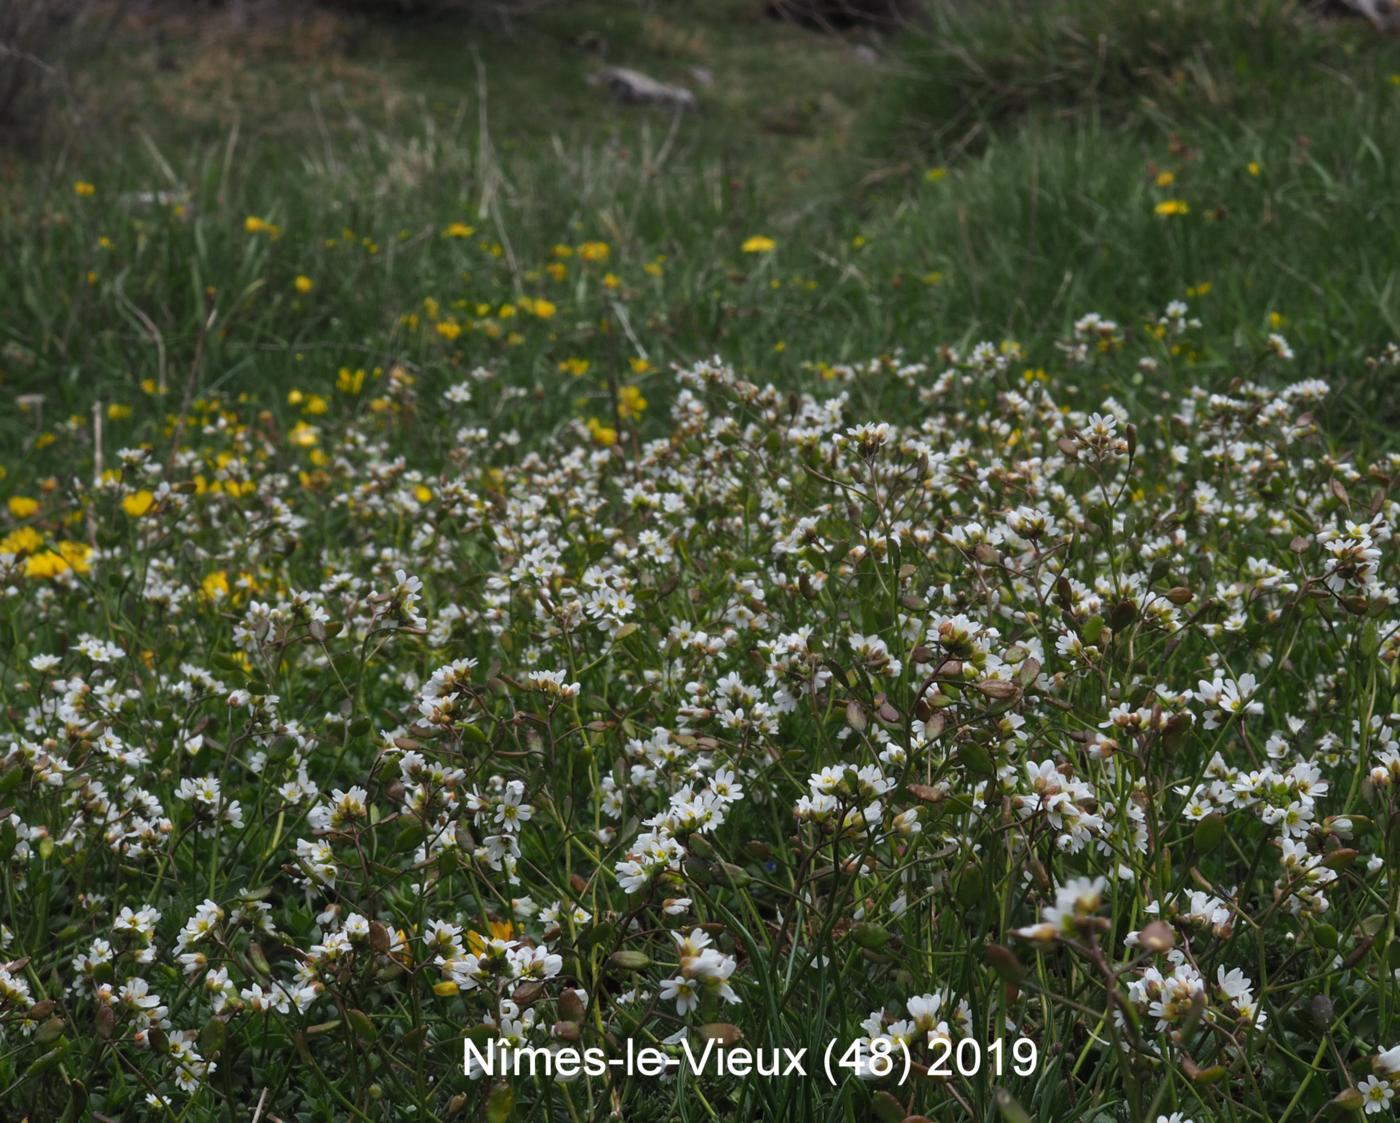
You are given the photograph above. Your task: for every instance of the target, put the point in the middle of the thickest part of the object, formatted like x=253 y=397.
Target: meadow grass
x=983 y=646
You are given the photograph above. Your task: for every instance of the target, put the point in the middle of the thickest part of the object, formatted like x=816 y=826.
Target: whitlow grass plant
x=333 y=740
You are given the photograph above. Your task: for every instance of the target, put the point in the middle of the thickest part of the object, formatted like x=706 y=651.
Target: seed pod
x=1157 y=938
x=1349 y=1099
x=212 y=1036
x=379 y=937
x=565 y=1031
x=1209 y=833
x=1003 y=961
x=571 y=1005
x=500 y=1103
x=1322 y=1010
x=869 y=935
x=361 y=1024
x=724 y=1033
x=1010 y=1110
x=527 y=993
x=1179 y=595
x=630 y=960
x=49 y=1031
x=886 y=1108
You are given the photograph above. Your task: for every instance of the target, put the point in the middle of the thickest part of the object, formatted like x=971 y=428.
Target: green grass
x=1047 y=211
x=289 y=316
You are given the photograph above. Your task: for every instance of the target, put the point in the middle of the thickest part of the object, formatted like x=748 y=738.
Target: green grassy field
x=900 y=556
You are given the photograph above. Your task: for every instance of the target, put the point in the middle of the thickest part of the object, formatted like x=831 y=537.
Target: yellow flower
x=21 y=540
x=557 y=270
x=936 y=175
x=639 y=365
x=22 y=506
x=349 y=381
x=215 y=585
x=83 y=189
x=1166 y=179
x=50 y=563
x=118 y=412
x=498 y=929
x=315 y=404
x=458 y=230
x=303 y=435
x=594 y=251
x=611 y=280
x=605 y=435
x=255 y=225
x=304 y=284
x=138 y=503
x=1172 y=207
x=1277 y=320
x=630 y=402
x=544 y=309
x=1202 y=289
x=933 y=278
x=449 y=329
x=758 y=243
x=1252 y=167
x=576 y=367
x=423 y=493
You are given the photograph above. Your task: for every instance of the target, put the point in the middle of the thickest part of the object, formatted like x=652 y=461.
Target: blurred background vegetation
x=257 y=194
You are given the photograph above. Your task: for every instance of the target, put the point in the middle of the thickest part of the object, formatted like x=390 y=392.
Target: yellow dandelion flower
x=22 y=506
x=214 y=587
x=303 y=284
x=630 y=402
x=605 y=435
x=138 y=503
x=759 y=243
